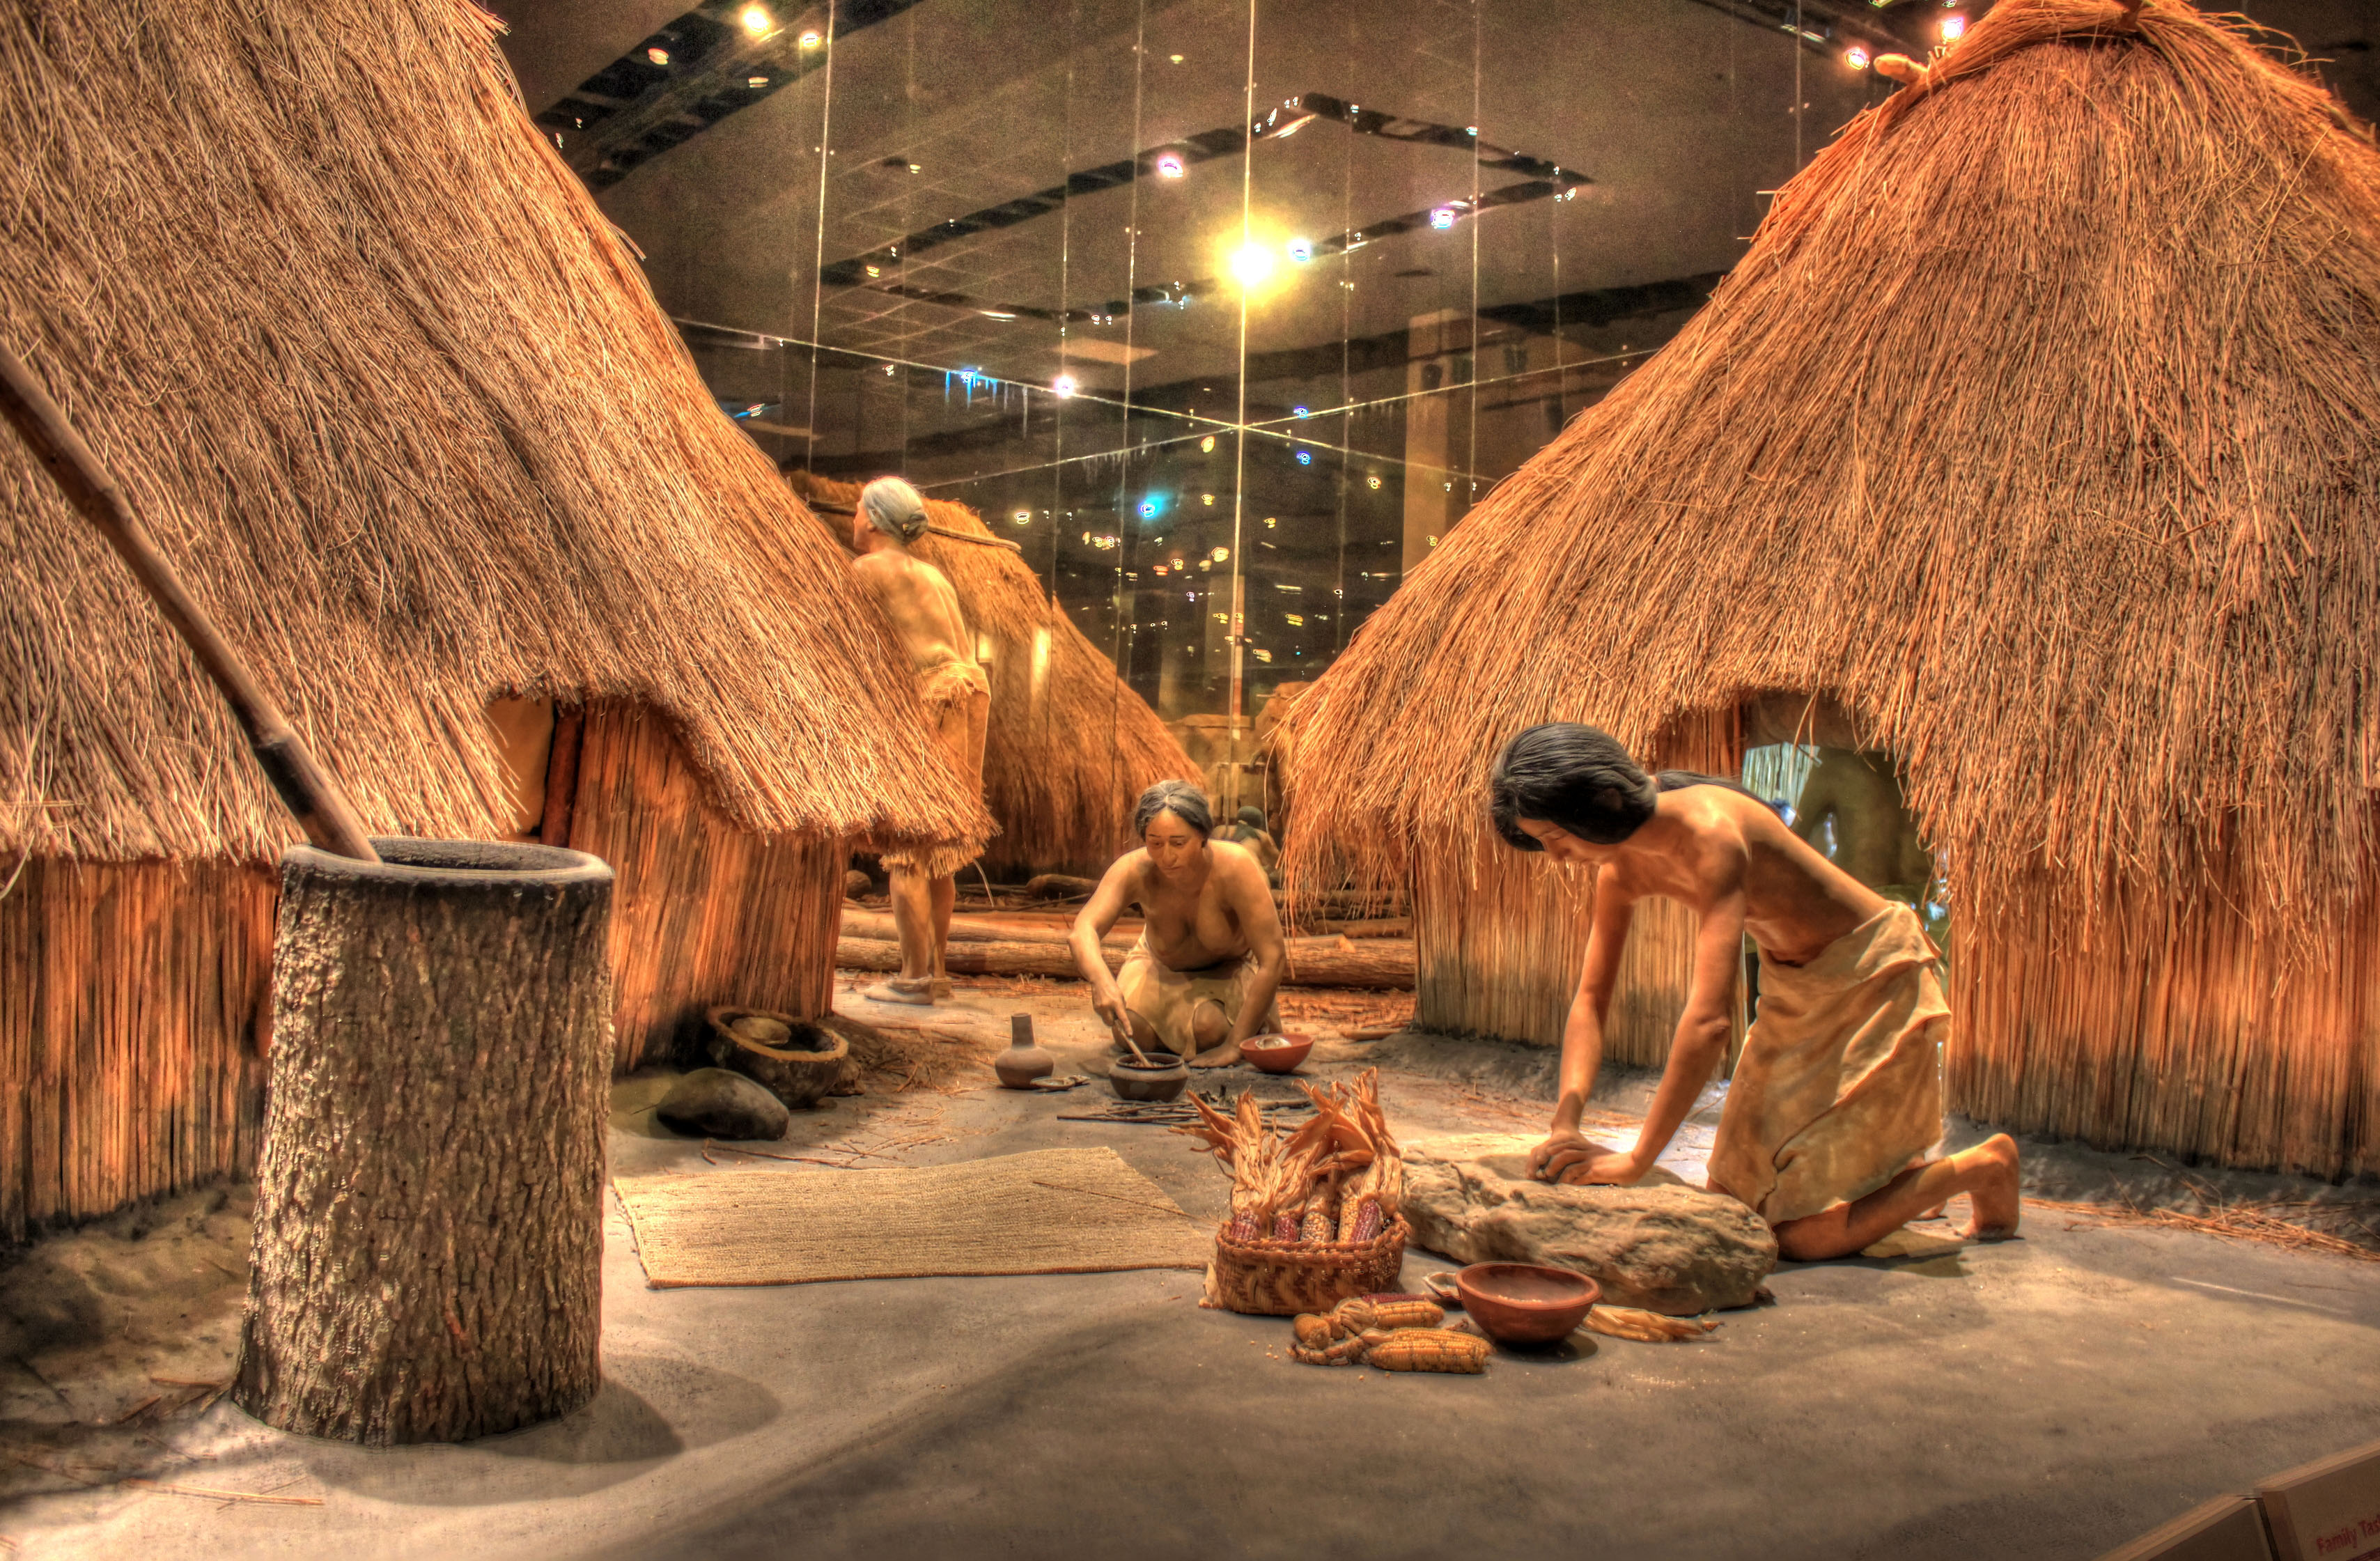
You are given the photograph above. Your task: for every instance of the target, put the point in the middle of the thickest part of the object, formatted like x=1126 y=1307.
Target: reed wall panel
x=2171 y=1029
x=132 y=1020
x=703 y=912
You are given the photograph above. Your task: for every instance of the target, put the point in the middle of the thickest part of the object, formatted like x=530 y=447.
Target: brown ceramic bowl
x=1277 y=1054
x=1523 y=1304
x=1164 y=1081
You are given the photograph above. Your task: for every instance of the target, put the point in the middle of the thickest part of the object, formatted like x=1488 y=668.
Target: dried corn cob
x=1426 y=1349
x=1645 y=1327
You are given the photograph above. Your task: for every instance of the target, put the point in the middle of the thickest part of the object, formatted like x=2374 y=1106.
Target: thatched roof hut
x=390 y=391
x=1069 y=749
x=2037 y=432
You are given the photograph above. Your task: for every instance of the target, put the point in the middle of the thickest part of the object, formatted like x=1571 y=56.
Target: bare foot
x=1992 y=1165
x=1221 y=1056
x=916 y=993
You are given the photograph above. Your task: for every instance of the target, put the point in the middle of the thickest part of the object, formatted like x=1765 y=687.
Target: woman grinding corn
x=1837 y=1094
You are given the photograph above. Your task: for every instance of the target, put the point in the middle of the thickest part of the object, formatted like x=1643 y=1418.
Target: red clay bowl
x=1277 y=1054
x=1523 y=1304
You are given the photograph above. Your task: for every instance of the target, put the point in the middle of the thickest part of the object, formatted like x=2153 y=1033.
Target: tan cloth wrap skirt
x=957 y=697
x=1167 y=998
x=1841 y=1083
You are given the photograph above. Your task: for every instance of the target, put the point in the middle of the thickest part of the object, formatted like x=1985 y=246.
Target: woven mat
x=1055 y=1211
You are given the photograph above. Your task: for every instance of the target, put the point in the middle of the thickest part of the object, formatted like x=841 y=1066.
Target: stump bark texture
x=428 y=1259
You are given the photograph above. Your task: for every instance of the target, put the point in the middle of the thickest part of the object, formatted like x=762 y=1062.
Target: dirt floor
x=2045 y=1397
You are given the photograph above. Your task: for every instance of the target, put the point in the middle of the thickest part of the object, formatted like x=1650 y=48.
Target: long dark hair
x=1179 y=797
x=1580 y=779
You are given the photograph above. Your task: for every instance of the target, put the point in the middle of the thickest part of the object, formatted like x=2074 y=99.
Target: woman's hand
x=1109 y=1006
x=1573 y=1158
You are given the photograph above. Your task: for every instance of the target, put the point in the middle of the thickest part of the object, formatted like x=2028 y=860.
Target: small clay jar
x=1024 y=1061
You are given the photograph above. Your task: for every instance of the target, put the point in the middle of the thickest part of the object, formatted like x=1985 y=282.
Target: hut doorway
x=1801 y=757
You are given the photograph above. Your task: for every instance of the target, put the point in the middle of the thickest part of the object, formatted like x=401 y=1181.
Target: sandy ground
x=2043 y=1398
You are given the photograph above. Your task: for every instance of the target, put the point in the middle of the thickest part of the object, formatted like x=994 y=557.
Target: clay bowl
x=1277 y=1054
x=1161 y=1082
x=1523 y=1304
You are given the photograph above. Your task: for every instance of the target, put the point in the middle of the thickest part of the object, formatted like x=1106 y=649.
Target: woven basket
x=1284 y=1278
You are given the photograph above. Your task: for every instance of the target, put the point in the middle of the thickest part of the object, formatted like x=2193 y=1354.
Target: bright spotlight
x=1062 y=386
x=1442 y=218
x=1300 y=249
x=812 y=39
x=1856 y=58
x=756 y=19
x=1305 y=457
x=1251 y=266
x=1169 y=166
x=1953 y=29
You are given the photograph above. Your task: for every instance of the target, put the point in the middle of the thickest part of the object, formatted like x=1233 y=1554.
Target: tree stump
x=428 y=1259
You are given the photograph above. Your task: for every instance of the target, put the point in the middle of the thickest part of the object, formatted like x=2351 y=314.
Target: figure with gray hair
x=924 y=613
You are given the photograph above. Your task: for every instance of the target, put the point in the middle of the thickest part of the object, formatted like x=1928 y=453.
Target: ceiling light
x=1062 y=386
x=1169 y=166
x=812 y=39
x=756 y=19
x=1221 y=554
x=1210 y=500
x=756 y=82
x=1300 y=249
x=1305 y=457
x=659 y=57
x=1207 y=445
x=997 y=313
x=1856 y=58
x=1953 y=29
x=1371 y=483
x=1175 y=58
x=1300 y=412
x=1442 y=218
x=1022 y=518
x=1251 y=266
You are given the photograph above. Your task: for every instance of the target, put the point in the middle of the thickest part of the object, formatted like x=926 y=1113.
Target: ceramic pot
x=1024 y=1061
x=1275 y=1054
x=1526 y=1302
x=1163 y=1081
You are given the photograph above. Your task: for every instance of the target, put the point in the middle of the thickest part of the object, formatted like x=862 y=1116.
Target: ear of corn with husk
x=1339 y=1177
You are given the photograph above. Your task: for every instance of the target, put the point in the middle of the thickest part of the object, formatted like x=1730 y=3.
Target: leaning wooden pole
x=308 y=790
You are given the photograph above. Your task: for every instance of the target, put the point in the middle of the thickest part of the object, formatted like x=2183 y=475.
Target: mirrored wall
x=1226 y=311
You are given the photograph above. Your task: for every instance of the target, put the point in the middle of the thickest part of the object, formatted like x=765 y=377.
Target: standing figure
x=923 y=611
x=1210 y=956
x=1838 y=1095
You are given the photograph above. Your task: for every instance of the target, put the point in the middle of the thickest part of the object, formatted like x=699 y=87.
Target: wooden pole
x=309 y=790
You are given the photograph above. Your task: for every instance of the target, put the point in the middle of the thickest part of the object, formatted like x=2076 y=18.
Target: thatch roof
x=2038 y=428
x=394 y=396
x=1069 y=749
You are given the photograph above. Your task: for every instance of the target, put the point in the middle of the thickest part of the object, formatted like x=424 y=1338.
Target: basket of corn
x=1315 y=1215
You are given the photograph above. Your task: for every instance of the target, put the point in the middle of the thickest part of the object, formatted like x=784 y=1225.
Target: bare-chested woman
x=1210 y=955
x=1837 y=1093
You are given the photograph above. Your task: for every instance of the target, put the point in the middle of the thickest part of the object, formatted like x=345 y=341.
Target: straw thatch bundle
x=2037 y=431
x=389 y=391
x=1068 y=748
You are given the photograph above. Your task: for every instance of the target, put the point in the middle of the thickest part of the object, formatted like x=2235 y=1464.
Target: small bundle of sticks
x=1340 y=1178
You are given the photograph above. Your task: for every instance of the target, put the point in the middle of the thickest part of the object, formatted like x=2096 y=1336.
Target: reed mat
x=1054 y=1211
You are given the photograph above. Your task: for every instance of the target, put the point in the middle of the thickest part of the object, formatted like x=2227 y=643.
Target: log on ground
x=1374 y=962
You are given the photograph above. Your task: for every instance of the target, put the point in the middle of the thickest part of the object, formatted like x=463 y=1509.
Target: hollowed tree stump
x=429 y=1221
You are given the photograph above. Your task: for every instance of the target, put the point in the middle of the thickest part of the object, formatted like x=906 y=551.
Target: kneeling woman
x=1210 y=955
x=1837 y=1093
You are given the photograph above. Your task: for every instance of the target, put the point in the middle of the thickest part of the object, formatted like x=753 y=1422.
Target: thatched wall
x=1068 y=748
x=396 y=399
x=704 y=912
x=133 y=1009
x=2034 y=430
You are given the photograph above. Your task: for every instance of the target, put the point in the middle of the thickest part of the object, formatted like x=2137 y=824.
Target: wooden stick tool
x=306 y=789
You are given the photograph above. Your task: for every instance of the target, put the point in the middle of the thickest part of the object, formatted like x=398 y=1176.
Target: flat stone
x=1660 y=1245
x=712 y=1103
